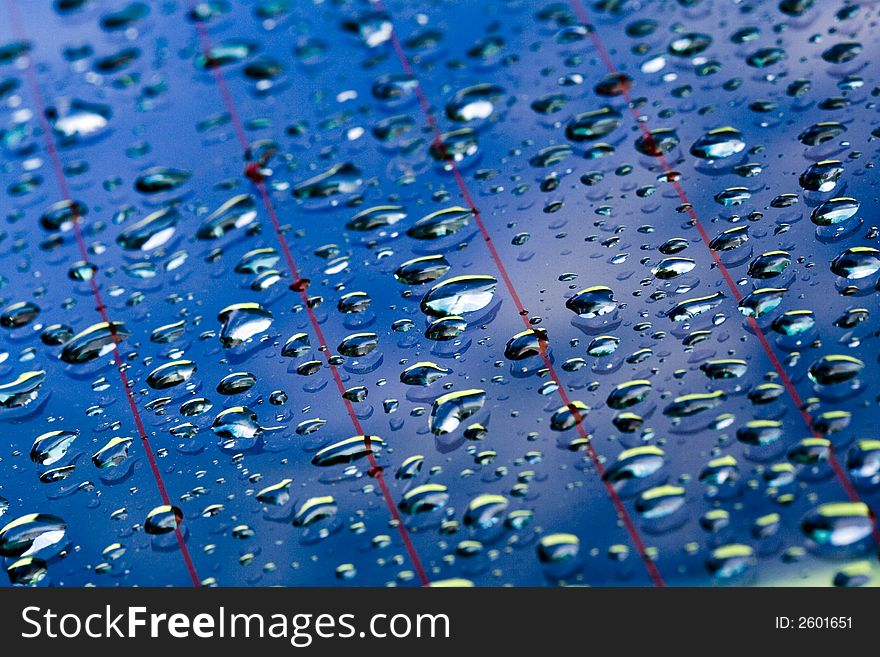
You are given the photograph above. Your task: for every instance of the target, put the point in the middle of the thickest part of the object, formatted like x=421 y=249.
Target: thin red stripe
x=625 y=517
x=51 y=148
x=301 y=285
x=787 y=383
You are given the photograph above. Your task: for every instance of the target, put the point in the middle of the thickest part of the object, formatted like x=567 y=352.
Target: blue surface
x=594 y=233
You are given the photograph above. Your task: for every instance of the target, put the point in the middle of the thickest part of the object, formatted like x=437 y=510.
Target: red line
x=301 y=285
x=622 y=512
x=52 y=149
x=787 y=383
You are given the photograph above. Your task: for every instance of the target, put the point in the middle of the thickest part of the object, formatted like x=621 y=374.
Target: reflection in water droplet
x=446 y=328
x=22 y=390
x=449 y=410
x=423 y=374
x=629 y=394
x=113 y=453
x=424 y=498
x=242 y=321
x=237 y=212
x=834 y=211
x=379 y=216
x=821 y=176
x=94 y=342
x=838 y=525
x=441 y=223
x=276 y=494
x=422 y=270
x=358 y=344
x=160 y=179
x=347 y=451
x=462 y=294
x=835 y=368
x=592 y=302
x=718 y=144
x=731 y=562
x=340 y=179
x=238 y=427
x=857 y=262
x=52 y=446
x=171 y=374
x=151 y=232
x=27 y=571
x=163 y=520
x=75 y=120
x=19 y=314
x=632 y=465
x=558 y=548
x=477 y=102
x=593 y=125
x=35 y=534
x=315 y=510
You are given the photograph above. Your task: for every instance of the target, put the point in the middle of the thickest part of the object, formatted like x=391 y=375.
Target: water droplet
x=35 y=534
x=718 y=144
x=348 y=451
x=242 y=321
x=22 y=390
x=449 y=410
x=462 y=294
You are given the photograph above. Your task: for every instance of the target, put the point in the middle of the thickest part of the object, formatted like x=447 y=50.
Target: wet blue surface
x=605 y=234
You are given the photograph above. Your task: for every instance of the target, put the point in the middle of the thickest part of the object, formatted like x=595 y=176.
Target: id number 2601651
x=813 y=622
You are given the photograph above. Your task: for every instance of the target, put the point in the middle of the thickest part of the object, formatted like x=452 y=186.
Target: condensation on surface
x=596 y=157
